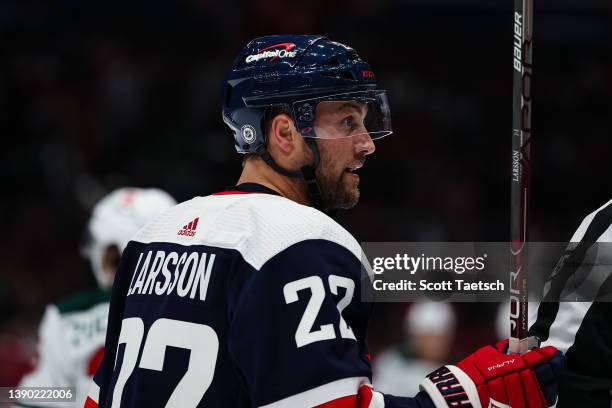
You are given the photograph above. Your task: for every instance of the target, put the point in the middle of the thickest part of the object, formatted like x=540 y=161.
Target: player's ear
x=283 y=134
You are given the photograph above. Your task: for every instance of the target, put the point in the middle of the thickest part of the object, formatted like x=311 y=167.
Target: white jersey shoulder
x=257 y=225
x=70 y=344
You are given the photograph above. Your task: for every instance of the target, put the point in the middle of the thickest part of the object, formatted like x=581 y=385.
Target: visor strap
x=308 y=173
x=312 y=143
x=314 y=192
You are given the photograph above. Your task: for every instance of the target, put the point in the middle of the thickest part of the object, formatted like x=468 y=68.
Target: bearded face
x=343 y=143
x=337 y=177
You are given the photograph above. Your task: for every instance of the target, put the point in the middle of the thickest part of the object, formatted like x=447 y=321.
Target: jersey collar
x=247 y=188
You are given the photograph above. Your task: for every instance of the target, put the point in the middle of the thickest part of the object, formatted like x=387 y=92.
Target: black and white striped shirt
x=583 y=330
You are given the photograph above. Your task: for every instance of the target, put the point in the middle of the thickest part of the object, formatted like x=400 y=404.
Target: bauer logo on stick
x=518 y=41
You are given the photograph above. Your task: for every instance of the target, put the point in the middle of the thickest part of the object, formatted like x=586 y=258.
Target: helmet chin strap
x=307 y=172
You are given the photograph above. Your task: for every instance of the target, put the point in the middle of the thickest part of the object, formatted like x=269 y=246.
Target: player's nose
x=364 y=144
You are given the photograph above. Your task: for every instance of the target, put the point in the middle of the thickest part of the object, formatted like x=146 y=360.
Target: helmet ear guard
x=248 y=127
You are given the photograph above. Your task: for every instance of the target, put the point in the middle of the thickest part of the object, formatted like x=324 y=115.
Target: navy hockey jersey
x=239 y=299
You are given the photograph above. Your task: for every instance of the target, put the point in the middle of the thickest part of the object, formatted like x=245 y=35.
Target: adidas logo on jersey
x=189 y=230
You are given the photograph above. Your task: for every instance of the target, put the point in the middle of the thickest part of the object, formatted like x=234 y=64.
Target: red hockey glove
x=491 y=378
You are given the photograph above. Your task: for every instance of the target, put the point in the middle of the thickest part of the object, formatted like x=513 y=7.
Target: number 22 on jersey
x=304 y=334
x=200 y=339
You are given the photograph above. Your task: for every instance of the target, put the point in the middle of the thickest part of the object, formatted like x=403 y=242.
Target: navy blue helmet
x=297 y=72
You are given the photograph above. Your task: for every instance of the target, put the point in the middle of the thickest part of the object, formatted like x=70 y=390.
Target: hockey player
x=250 y=297
x=72 y=332
x=582 y=330
x=428 y=335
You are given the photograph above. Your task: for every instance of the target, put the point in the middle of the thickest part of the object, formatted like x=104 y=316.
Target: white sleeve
x=50 y=370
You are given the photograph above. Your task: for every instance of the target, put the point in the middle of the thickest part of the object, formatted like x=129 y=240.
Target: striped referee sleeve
x=582 y=330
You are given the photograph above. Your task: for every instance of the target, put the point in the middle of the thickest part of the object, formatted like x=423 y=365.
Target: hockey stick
x=521 y=140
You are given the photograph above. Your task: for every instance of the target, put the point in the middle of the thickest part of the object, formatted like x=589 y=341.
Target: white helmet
x=430 y=317
x=115 y=220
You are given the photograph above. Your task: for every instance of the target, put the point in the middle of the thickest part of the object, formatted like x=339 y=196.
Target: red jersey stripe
x=232 y=192
x=361 y=400
x=89 y=403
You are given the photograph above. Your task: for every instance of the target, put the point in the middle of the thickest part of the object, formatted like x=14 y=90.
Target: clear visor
x=344 y=115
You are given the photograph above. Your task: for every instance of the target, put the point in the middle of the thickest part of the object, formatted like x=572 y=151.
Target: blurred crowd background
x=98 y=95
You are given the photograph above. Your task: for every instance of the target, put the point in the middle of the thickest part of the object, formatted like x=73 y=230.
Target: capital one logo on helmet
x=282 y=50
